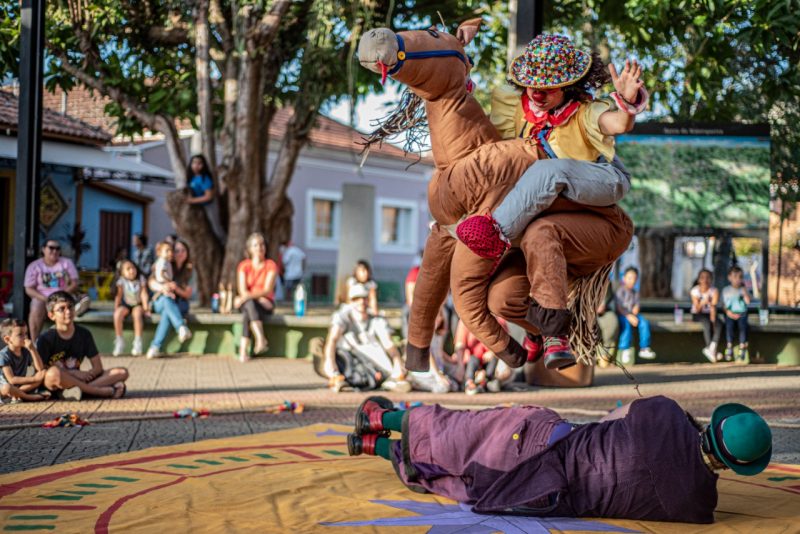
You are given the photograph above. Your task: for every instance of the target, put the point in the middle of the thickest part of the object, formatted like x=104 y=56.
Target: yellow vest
x=579 y=138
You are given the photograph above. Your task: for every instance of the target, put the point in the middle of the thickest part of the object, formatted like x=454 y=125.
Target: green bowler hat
x=741 y=438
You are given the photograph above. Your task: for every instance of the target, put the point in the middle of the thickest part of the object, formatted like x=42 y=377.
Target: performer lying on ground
x=647 y=460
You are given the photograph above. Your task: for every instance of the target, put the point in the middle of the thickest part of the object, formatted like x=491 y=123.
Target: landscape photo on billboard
x=711 y=176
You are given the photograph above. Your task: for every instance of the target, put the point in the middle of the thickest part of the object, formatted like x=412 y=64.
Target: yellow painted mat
x=302 y=480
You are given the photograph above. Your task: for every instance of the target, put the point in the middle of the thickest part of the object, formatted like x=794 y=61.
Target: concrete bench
x=776 y=342
x=214 y=333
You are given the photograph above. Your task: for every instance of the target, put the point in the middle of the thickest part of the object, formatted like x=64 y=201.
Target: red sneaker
x=557 y=354
x=535 y=347
x=369 y=415
x=482 y=235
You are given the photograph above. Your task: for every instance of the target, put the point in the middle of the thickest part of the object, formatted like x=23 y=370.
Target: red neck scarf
x=539 y=120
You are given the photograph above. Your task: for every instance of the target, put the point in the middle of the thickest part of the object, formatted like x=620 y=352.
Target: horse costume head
x=435 y=67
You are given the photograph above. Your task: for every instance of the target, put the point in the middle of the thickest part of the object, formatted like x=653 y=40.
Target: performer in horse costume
x=647 y=460
x=568 y=250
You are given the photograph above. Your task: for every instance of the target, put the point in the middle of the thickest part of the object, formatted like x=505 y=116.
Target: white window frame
x=412 y=246
x=312 y=241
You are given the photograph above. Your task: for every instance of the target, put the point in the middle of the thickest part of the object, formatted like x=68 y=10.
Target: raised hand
x=628 y=82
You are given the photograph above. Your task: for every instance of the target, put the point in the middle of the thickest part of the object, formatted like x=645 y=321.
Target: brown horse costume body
x=475 y=169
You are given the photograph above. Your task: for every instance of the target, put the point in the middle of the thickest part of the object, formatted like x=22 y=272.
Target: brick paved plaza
x=159 y=387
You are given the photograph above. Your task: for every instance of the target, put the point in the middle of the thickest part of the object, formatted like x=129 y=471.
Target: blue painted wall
x=95 y=201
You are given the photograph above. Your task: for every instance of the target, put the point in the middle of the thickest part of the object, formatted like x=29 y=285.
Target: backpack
x=358 y=371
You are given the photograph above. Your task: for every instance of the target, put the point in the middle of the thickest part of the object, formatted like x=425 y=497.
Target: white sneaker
x=72 y=394
x=626 y=356
x=82 y=306
x=184 y=334
x=153 y=352
x=136 y=350
x=119 y=346
x=647 y=354
x=710 y=352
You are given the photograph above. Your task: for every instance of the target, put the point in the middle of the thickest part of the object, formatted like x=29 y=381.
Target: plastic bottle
x=300 y=301
x=678 y=314
x=215 y=303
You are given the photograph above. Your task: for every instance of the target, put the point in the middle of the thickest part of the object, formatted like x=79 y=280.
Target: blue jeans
x=741 y=322
x=170 y=315
x=626 y=334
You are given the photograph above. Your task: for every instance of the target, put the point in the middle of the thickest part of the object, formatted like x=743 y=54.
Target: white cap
x=357 y=291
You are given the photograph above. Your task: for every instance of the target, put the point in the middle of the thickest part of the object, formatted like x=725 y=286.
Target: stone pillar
x=356 y=231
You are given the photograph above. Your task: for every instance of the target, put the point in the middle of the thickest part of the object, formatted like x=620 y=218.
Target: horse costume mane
x=475 y=169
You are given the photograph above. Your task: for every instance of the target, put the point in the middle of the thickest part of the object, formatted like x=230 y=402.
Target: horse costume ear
x=467 y=30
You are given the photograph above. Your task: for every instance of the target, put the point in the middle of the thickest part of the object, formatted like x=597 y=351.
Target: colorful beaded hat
x=549 y=61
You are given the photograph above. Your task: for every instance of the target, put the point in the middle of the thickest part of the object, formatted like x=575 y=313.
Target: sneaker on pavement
x=72 y=394
x=136 y=350
x=710 y=354
x=184 y=334
x=647 y=354
x=557 y=354
x=626 y=356
x=153 y=352
x=399 y=385
x=743 y=355
x=336 y=383
x=119 y=346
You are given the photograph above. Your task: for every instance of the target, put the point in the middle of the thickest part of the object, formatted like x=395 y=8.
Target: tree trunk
x=656 y=252
x=205 y=251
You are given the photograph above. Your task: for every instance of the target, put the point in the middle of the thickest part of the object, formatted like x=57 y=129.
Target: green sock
x=383 y=447
x=393 y=420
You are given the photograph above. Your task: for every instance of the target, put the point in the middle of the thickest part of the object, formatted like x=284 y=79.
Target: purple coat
x=646 y=465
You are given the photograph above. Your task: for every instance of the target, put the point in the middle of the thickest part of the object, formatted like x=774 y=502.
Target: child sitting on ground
x=627 y=298
x=131 y=299
x=480 y=363
x=64 y=347
x=735 y=298
x=15 y=358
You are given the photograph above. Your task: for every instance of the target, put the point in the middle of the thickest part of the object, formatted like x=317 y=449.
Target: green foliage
x=697 y=186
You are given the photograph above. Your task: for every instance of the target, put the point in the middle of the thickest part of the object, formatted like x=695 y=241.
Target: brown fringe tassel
x=585 y=295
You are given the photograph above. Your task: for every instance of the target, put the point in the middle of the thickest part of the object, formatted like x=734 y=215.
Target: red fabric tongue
x=384 y=70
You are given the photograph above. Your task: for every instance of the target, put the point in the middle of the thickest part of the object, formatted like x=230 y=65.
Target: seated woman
x=171 y=297
x=255 y=278
x=648 y=460
x=705 y=299
x=362 y=274
x=45 y=276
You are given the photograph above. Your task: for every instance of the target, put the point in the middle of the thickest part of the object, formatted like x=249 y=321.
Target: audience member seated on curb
x=479 y=362
x=648 y=460
x=15 y=358
x=609 y=328
x=362 y=274
x=358 y=340
x=45 y=276
x=131 y=299
x=64 y=347
x=705 y=298
x=735 y=298
x=143 y=256
x=627 y=301
x=182 y=270
x=255 y=277
x=165 y=301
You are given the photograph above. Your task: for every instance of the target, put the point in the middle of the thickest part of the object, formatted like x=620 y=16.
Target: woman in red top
x=256 y=278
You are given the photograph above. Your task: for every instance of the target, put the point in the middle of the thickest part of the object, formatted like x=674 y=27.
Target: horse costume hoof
x=482 y=235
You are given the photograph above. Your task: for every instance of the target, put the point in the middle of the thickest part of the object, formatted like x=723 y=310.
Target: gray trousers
x=585 y=182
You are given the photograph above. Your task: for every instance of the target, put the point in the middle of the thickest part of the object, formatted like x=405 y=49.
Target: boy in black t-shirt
x=65 y=346
x=15 y=358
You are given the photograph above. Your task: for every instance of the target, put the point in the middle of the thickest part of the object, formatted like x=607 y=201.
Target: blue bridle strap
x=403 y=56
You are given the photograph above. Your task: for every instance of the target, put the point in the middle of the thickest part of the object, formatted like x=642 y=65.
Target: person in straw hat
x=648 y=460
x=551 y=102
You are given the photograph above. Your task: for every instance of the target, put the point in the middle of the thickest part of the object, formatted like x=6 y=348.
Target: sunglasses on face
x=56 y=248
